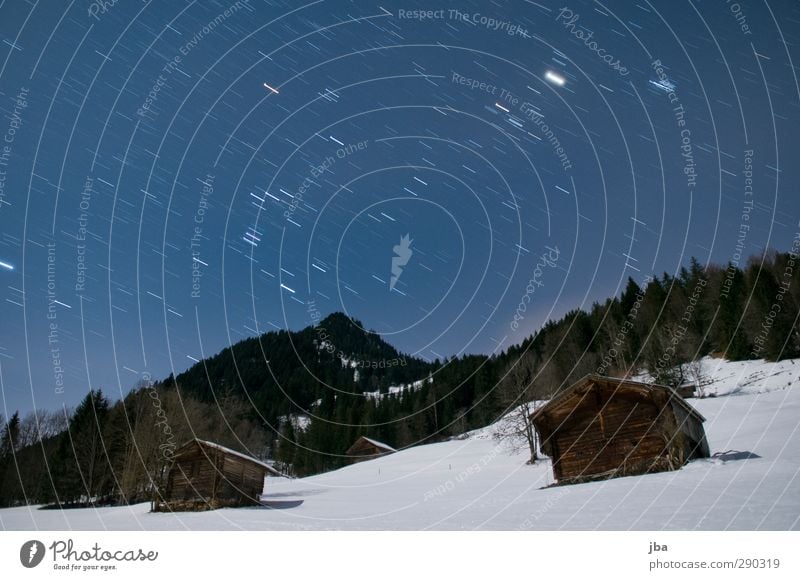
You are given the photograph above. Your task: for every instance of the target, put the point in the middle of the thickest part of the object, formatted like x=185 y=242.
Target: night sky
x=177 y=176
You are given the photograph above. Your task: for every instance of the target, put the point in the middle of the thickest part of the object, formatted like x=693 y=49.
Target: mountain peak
x=340 y=320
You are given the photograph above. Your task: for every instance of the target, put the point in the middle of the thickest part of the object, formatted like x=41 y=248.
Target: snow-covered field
x=476 y=483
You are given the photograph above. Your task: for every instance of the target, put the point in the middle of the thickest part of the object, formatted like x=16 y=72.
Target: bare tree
x=693 y=371
x=517 y=394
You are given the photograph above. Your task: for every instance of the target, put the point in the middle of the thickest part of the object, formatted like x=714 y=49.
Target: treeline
x=101 y=453
x=663 y=326
x=302 y=398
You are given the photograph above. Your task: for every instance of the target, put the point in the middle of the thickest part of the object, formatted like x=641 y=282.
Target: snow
x=300 y=421
x=474 y=482
x=399 y=389
x=379 y=444
x=743 y=377
x=228 y=451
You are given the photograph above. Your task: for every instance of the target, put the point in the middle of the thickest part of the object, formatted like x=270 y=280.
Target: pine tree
x=83 y=471
x=287 y=447
x=9 y=478
x=729 y=334
x=10 y=436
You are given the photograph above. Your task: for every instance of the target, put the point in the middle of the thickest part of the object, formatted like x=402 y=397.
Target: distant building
x=365 y=448
x=206 y=476
x=603 y=427
x=687 y=390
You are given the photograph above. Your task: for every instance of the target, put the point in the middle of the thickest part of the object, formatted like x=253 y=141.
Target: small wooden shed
x=206 y=475
x=365 y=448
x=604 y=427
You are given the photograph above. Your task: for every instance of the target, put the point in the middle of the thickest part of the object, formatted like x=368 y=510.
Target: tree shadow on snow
x=732 y=455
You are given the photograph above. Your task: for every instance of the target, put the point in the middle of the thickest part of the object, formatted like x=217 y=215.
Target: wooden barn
x=603 y=427
x=365 y=448
x=206 y=476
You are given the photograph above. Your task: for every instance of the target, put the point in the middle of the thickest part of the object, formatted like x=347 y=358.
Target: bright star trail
x=555 y=78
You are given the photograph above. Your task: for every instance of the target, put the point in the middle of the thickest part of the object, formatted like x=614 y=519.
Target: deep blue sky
x=480 y=190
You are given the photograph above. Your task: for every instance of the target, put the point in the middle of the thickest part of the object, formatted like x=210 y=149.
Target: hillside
x=286 y=371
x=301 y=398
x=474 y=482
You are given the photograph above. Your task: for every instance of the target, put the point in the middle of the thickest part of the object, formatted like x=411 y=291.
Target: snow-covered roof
x=674 y=397
x=379 y=444
x=229 y=451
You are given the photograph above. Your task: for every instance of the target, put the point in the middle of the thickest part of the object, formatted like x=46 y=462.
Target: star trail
x=178 y=176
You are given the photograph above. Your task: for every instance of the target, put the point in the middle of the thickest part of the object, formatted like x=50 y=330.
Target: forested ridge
x=300 y=399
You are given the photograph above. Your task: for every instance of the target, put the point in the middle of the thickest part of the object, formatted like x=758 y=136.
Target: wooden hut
x=365 y=448
x=205 y=476
x=604 y=427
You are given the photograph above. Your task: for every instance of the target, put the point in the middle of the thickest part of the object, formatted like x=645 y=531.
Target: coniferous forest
x=300 y=399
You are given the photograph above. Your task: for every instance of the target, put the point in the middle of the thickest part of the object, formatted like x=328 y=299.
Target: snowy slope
x=475 y=483
x=744 y=377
